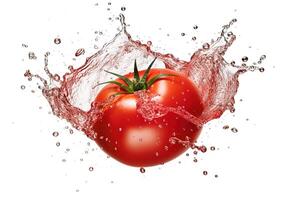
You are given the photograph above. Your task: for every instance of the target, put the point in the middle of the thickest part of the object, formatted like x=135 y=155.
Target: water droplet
x=234 y=130
x=216 y=176
x=195 y=160
x=166 y=148
x=205 y=173
x=31 y=56
x=79 y=52
x=202 y=148
x=57 y=144
x=261 y=69
x=226 y=127
x=182 y=34
x=57 y=40
x=156 y=154
x=109 y=3
x=245 y=59
x=120 y=129
x=232 y=63
x=91 y=169
x=71 y=68
x=263 y=57
x=205 y=46
x=195 y=27
x=23 y=87
x=123 y=8
x=56 y=77
x=187 y=154
x=77 y=190
x=24 y=45
x=55 y=133
x=108 y=125
x=212 y=148
x=194 y=38
x=160 y=126
x=229 y=34
x=64 y=160
x=142 y=170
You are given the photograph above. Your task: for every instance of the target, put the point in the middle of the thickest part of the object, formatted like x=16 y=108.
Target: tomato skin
x=125 y=135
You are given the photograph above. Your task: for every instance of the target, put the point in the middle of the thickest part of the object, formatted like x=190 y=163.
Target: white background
x=262 y=161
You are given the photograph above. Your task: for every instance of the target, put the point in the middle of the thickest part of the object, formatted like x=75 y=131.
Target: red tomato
x=125 y=135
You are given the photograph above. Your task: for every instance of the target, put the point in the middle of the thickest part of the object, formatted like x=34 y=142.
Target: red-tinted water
x=71 y=97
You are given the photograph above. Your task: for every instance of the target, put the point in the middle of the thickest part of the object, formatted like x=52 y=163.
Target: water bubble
x=195 y=160
x=205 y=46
x=182 y=34
x=77 y=190
x=123 y=8
x=225 y=127
x=234 y=130
x=216 y=175
x=31 y=55
x=91 y=169
x=24 y=45
x=194 y=38
x=79 y=52
x=64 y=160
x=71 y=131
x=245 y=59
x=195 y=27
x=195 y=152
x=57 y=40
x=212 y=148
x=187 y=154
x=204 y=173
x=57 y=144
x=109 y=3
x=261 y=69
x=55 y=134
x=232 y=63
x=142 y=170
x=23 y=87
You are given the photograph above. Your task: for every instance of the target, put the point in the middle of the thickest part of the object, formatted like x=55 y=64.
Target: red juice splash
x=71 y=97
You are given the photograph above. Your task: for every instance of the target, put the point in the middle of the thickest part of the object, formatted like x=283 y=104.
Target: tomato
x=124 y=134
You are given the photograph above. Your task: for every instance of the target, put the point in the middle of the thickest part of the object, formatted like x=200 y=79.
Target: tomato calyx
x=138 y=83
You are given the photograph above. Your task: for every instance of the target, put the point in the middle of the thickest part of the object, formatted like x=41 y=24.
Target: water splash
x=71 y=97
